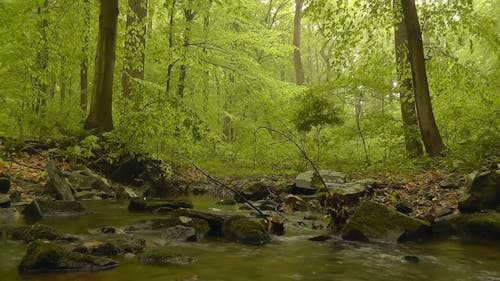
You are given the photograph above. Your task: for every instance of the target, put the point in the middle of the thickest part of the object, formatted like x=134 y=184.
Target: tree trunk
x=189 y=15
x=135 y=44
x=408 y=111
x=100 y=117
x=430 y=134
x=170 y=45
x=42 y=60
x=299 y=69
x=84 y=66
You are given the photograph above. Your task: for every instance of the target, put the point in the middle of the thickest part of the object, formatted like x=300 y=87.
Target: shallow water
x=292 y=257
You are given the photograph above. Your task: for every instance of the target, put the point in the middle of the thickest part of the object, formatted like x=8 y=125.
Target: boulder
x=58 y=183
x=245 y=230
x=29 y=233
x=4 y=184
x=141 y=205
x=165 y=258
x=38 y=209
x=373 y=221
x=163 y=226
x=43 y=256
x=4 y=201
x=477 y=225
x=254 y=192
x=483 y=192
x=113 y=245
x=179 y=233
x=307 y=183
x=215 y=221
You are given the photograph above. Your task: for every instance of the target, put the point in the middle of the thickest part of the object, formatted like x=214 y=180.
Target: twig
x=300 y=148
x=237 y=193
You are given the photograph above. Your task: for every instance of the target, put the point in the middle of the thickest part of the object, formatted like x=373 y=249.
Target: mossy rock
x=43 y=256
x=483 y=192
x=246 y=231
x=29 y=233
x=141 y=205
x=215 y=221
x=112 y=246
x=477 y=225
x=164 y=258
x=38 y=209
x=254 y=192
x=158 y=225
x=373 y=221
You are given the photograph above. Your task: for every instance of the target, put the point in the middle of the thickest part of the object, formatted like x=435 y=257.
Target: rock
x=477 y=225
x=215 y=221
x=141 y=205
x=107 y=230
x=411 y=259
x=254 y=192
x=112 y=246
x=29 y=233
x=4 y=184
x=483 y=192
x=165 y=258
x=227 y=201
x=58 y=183
x=179 y=233
x=43 y=256
x=448 y=184
x=4 y=201
x=320 y=238
x=308 y=183
x=38 y=209
x=404 y=207
x=246 y=231
x=374 y=221
x=444 y=212
x=161 y=226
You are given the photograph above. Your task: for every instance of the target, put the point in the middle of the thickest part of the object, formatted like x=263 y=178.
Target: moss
x=33 y=232
x=44 y=256
x=376 y=221
x=244 y=230
x=477 y=225
x=162 y=257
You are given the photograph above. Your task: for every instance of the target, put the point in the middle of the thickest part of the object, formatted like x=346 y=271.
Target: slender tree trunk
x=430 y=134
x=406 y=99
x=42 y=59
x=299 y=69
x=84 y=66
x=100 y=117
x=170 y=45
x=135 y=44
x=189 y=16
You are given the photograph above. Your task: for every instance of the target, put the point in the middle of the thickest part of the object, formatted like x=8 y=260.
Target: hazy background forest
x=196 y=79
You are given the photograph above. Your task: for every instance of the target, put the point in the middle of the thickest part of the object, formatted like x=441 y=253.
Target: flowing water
x=292 y=257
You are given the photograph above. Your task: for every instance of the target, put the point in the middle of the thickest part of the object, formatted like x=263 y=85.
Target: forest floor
x=424 y=194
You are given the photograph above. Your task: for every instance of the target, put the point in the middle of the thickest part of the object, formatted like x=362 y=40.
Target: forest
x=250 y=140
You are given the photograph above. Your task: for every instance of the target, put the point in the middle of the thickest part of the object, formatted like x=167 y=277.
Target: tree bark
x=406 y=99
x=100 y=117
x=170 y=45
x=299 y=69
x=430 y=134
x=189 y=14
x=84 y=66
x=135 y=44
x=42 y=59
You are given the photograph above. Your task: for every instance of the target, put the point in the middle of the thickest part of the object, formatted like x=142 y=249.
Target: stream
x=291 y=257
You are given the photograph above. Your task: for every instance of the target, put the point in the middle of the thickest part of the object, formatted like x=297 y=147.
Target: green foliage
x=316 y=110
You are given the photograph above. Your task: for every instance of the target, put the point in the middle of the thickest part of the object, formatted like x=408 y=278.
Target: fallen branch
x=300 y=148
x=237 y=193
